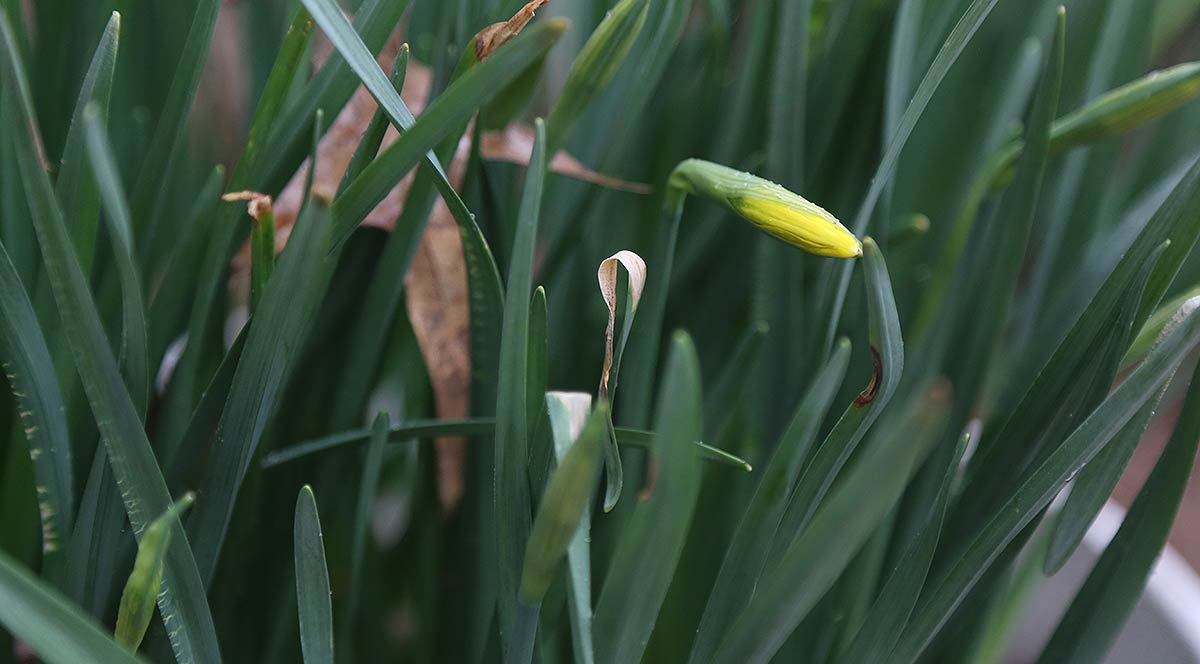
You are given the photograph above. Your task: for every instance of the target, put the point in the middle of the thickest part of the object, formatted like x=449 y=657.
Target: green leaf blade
x=312 y=582
x=1109 y=594
x=746 y=556
x=57 y=631
x=30 y=372
x=144 y=492
x=513 y=503
x=652 y=541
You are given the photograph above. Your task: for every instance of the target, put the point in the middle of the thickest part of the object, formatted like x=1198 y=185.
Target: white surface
x=1164 y=627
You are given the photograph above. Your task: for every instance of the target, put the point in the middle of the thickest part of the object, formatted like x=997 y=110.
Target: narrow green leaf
x=74 y=187
x=788 y=94
x=273 y=343
x=885 y=622
x=262 y=241
x=1115 y=585
x=541 y=443
x=1112 y=114
x=902 y=63
x=171 y=295
x=347 y=42
x=79 y=199
x=368 y=485
x=262 y=256
x=330 y=89
x=730 y=384
x=836 y=278
x=184 y=456
x=1095 y=483
x=100 y=520
x=449 y=112
x=563 y=506
x=30 y=372
x=149 y=194
x=844 y=522
x=1154 y=326
x=887 y=354
x=444 y=120
x=269 y=115
x=372 y=138
x=183 y=602
x=513 y=504
x=977 y=340
x=48 y=623
x=1092 y=488
x=652 y=540
x=1022 y=439
x=225 y=234
x=480 y=426
x=312 y=582
x=1129 y=106
x=568 y=414
x=633 y=88
x=470 y=427
x=142 y=587
x=593 y=69
x=746 y=556
x=1039 y=486
x=134 y=346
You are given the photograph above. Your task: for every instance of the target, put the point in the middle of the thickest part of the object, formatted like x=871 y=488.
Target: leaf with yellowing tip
x=137 y=600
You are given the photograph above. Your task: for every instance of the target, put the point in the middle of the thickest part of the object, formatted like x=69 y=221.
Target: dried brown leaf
x=607 y=276
x=438 y=309
x=496 y=35
x=257 y=204
x=514 y=144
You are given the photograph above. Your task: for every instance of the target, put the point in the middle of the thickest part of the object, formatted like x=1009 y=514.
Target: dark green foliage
x=782 y=474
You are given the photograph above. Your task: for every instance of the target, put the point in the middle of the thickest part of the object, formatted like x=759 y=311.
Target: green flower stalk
x=772 y=208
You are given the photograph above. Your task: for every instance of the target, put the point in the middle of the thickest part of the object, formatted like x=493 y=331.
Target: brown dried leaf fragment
x=607 y=276
x=496 y=35
x=257 y=205
x=868 y=395
x=438 y=310
x=514 y=144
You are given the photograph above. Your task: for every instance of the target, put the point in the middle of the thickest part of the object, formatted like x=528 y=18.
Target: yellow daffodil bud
x=770 y=207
